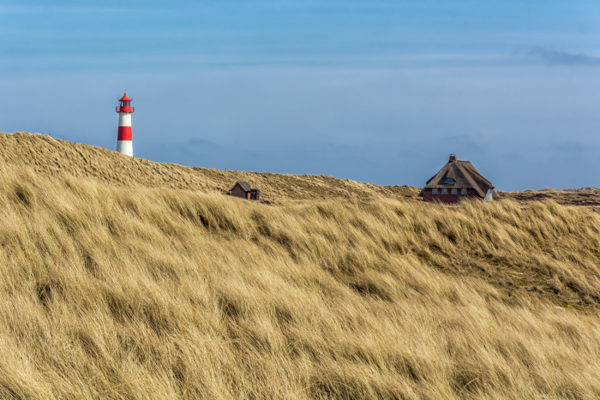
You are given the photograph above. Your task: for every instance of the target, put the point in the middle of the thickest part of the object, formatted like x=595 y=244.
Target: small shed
x=455 y=181
x=242 y=189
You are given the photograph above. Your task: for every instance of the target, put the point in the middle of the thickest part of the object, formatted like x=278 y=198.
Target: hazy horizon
x=376 y=91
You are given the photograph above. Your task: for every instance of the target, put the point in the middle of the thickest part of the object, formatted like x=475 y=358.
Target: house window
x=447 y=181
x=454 y=191
x=444 y=191
x=463 y=192
x=433 y=191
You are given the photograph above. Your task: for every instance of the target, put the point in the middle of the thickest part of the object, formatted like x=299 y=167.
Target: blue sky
x=379 y=91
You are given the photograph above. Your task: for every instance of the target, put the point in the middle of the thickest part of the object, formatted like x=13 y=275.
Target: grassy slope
x=49 y=156
x=113 y=290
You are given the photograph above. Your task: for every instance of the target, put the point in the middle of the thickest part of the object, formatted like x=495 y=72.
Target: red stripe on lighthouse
x=124 y=133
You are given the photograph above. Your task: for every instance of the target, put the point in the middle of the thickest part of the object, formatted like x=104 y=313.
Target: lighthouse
x=124 y=141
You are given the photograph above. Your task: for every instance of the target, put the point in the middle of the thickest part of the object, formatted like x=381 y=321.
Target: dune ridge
x=159 y=286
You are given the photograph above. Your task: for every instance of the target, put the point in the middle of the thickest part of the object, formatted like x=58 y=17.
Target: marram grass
x=140 y=292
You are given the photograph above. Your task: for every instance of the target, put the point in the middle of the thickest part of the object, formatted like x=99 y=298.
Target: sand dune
x=128 y=279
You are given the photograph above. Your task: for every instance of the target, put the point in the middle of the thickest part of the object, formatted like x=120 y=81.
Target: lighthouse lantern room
x=124 y=139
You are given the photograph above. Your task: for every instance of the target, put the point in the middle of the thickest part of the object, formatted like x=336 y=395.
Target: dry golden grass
x=48 y=156
x=152 y=290
x=589 y=196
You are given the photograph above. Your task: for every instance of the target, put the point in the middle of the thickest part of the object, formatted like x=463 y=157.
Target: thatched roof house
x=455 y=181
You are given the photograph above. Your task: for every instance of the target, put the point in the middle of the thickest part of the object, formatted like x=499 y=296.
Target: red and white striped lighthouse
x=124 y=140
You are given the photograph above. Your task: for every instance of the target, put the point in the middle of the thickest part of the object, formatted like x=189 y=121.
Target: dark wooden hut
x=242 y=189
x=455 y=181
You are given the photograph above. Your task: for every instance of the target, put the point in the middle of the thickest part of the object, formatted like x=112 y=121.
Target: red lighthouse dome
x=125 y=106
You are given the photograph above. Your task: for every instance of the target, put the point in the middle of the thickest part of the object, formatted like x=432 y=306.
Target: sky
x=379 y=91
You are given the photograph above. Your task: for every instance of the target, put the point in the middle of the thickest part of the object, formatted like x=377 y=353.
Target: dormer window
x=447 y=181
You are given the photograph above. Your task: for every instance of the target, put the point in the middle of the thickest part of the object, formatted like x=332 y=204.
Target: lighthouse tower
x=124 y=142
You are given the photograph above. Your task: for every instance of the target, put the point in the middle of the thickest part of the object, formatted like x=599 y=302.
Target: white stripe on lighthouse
x=125 y=147
x=124 y=119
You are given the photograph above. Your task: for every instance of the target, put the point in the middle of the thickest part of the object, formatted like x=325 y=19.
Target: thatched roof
x=459 y=175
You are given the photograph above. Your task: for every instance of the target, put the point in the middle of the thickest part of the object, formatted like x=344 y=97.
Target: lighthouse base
x=125 y=147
